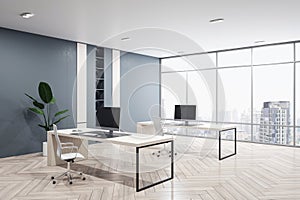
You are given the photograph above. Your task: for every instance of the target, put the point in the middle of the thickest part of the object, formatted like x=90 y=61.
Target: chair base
x=68 y=173
x=163 y=152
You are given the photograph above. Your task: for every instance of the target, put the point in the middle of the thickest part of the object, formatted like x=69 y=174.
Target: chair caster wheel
x=54 y=182
x=158 y=151
x=70 y=182
x=153 y=153
x=157 y=155
x=52 y=177
x=83 y=178
x=80 y=173
x=175 y=154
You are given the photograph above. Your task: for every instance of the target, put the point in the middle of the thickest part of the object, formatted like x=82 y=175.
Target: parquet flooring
x=256 y=172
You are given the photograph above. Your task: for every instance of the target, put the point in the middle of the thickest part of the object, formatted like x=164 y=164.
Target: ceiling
x=158 y=27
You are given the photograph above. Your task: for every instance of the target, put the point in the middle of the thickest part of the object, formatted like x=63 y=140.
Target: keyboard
x=101 y=134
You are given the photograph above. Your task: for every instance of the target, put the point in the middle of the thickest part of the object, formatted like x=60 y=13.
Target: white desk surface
x=133 y=139
x=199 y=125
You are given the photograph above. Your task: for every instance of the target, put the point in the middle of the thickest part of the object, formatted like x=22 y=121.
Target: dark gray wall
x=107 y=77
x=140 y=90
x=25 y=60
x=91 y=85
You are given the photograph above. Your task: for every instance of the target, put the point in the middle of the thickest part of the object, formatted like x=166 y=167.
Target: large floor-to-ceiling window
x=256 y=88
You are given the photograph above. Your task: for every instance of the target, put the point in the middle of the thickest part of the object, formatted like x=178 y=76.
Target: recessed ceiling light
x=181 y=52
x=125 y=38
x=217 y=20
x=26 y=15
x=259 y=41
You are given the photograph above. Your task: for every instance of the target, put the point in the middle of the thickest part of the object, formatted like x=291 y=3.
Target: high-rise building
x=275 y=116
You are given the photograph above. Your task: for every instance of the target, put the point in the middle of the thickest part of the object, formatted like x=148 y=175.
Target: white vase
x=44 y=148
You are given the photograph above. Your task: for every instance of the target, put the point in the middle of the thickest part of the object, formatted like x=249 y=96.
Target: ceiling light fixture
x=26 y=15
x=181 y=52
x=217 y=20
x=125 y=38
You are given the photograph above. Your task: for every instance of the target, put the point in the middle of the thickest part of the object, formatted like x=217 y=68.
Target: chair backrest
x=157 y=125
x=59 y=147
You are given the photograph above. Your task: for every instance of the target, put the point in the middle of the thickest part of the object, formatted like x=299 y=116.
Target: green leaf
x=33 y=99
x=61 y=112
x=39 y=105
x=37 y=111
x=53 y=100
x=57 y=121
x=45 y=92
x=44 y=127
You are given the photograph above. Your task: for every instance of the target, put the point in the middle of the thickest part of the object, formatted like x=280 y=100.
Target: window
x=298 y=94
x=273 y=134
x=243 y=132
x=202 y=61
x=273 y=103
x=297 y=132
x=252 y=88
x=173 y=91
x=202 y=92
x=176 y=64
x=297 y=51
x=234 y=58
x=273 y=54
x=234 y=95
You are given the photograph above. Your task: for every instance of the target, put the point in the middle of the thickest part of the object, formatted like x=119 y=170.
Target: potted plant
x=43 y=108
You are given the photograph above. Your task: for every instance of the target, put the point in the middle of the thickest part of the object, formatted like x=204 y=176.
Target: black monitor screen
x=185 y=112
x=108 y=117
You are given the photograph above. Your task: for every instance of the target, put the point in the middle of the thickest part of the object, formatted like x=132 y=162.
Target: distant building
x=275 y=115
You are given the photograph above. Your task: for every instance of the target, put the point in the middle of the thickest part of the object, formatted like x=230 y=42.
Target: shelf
x=99 y=74
x=99 y=91
x=100 y=52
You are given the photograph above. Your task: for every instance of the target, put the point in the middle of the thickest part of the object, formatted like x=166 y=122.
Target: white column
x=81 y=85
x=116 y=78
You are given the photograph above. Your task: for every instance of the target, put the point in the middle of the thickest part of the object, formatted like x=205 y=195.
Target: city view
x=274 y=124
x=255 y=94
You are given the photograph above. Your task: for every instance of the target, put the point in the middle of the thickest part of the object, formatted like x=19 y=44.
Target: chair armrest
x=67 y=144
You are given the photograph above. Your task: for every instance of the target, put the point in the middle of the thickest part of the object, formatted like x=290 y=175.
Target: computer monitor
x=108 y=118
x=185 y=112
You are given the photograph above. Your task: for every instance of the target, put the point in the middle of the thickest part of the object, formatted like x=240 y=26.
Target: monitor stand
x=189 y=123
x=186 y=123
x=110 y=132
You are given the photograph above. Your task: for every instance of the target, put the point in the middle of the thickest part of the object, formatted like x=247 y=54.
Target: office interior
x=200 y=101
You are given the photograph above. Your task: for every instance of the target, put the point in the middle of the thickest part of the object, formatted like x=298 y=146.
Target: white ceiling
x=158 y=27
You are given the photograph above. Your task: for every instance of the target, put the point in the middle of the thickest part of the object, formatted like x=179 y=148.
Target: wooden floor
x=256 y=172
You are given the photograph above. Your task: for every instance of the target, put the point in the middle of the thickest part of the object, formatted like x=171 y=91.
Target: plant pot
x=44 y=148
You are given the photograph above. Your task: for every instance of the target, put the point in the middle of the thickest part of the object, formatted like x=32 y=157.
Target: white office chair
x=68 y=157
x=159 y=131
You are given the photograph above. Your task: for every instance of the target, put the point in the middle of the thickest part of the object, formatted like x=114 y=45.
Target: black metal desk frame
x=220 y=146
x=138 y=189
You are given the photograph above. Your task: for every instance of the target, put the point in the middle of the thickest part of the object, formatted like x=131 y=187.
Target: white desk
x=147 y=127
x=80 y=139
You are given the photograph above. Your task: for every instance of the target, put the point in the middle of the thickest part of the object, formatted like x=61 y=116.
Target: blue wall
x=140 y=90
x=91 y=84
x=25 y=60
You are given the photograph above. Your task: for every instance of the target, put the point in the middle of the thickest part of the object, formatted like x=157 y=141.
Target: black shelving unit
x=99 y=93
